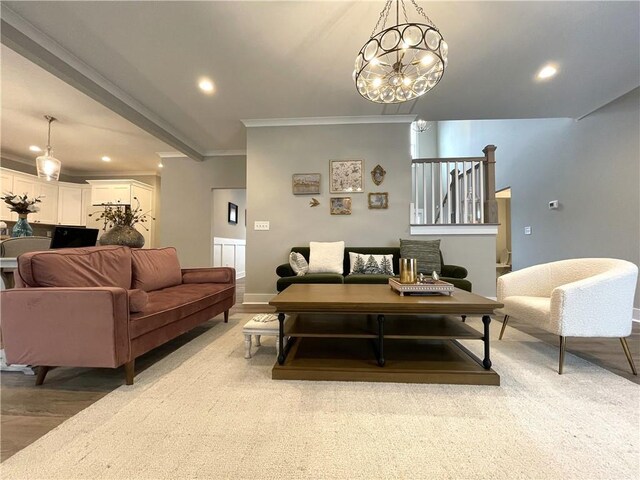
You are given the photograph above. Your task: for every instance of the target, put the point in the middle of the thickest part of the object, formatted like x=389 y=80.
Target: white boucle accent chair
x=583 y=297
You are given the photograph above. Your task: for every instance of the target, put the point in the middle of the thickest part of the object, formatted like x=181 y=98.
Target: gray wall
x=592 y=166
x=275 y=153
x=185 y=205
x=220 y=211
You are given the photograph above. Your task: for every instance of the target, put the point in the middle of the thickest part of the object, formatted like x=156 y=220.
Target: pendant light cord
x=49 y=119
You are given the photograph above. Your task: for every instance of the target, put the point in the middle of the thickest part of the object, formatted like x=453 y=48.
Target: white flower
x=33 y=208
x=16 y=200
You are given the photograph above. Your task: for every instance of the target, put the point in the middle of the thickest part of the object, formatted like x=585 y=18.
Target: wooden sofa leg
x=226 y=316
x=627 y=352
x=129 y=371
x=42 y=372
x=563 y=345
x=504 y=325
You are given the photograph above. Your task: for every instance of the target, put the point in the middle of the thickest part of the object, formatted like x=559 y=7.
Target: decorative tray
x=430 y=287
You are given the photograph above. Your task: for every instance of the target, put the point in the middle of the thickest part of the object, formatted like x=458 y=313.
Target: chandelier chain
x=404 y=10
x=420 y=11
x=383 y=15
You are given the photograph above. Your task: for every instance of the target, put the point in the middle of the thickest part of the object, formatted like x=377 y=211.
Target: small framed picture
x=340 y=205
x=233 y=213
x=346 y=176
x=305 y=183
x=378 y=200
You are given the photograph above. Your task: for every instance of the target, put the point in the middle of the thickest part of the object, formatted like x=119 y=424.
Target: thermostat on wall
x=553 y=205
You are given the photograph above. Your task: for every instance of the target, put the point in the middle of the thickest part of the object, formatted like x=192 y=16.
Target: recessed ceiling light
x=546 y=72
x=160 y=165
x=106 y=159
x=206 y=85
x=35 y=148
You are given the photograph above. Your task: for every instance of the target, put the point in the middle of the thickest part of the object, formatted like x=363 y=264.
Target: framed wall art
x=305 y=183
x=377 y=174
x=379 y=200
x=340 y=205
x=233 y=213
x=346 y=176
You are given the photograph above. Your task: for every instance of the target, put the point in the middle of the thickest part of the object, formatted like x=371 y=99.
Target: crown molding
x=303 y=121
x=140 y=173
x=171 y=155
x=27 y=40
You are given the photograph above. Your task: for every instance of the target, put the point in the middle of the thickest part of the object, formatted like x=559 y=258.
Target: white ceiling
x=294 y=59
x=85 y=130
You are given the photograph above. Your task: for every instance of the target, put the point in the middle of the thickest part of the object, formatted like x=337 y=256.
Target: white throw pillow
x=298 y=263
x=326 y=257
x=366 y=263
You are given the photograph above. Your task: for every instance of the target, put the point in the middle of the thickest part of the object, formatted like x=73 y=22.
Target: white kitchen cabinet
x=48 y=213
x=86 y=203
x=110 y=193
x=70 y=207
x=6 y=186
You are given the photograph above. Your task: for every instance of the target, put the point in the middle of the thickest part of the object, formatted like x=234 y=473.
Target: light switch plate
x=261 y=225
x=527 y=230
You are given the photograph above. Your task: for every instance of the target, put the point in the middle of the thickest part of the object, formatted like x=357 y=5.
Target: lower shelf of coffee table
x=407 y=361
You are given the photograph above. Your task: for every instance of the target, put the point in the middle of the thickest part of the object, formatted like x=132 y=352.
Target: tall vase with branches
x=119 y=223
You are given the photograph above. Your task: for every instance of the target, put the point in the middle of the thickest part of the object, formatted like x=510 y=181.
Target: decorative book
x=429 y=287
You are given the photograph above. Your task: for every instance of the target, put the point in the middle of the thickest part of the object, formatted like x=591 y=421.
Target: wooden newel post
x=490 y=203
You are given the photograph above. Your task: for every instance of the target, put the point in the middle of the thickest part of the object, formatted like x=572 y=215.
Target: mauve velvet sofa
x=105 y=306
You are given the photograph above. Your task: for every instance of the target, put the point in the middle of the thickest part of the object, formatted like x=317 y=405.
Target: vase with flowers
x=23 y=205
x=120 y=220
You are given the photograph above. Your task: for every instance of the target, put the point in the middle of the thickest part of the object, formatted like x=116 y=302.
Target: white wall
x=220 y=211
x=591 y=166
x=275 y=153
x=186 y=203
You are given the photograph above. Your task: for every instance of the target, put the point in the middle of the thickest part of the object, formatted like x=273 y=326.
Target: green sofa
x=449 y=273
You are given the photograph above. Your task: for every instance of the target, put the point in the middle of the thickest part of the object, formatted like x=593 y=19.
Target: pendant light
x=48 y=166
x=421 y=125
x=400 y=62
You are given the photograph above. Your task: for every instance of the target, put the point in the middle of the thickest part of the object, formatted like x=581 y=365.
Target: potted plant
x=23 y=205
x=121 y=220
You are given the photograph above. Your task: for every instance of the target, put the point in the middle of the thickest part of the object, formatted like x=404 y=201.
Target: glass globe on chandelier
x=401 y=62
x=48 y=166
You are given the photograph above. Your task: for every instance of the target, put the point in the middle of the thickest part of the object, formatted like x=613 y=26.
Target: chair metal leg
x=504 y=325
x=627 y=352
x=563 y=345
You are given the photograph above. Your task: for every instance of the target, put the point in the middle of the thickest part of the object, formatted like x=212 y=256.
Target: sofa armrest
x=209 y=275
x=75 y=327
x=453 y=271
x=285 y=270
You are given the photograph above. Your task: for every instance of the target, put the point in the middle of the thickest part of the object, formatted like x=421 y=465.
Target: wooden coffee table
x=370 y=333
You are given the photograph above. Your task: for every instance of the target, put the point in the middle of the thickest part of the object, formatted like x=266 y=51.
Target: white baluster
x=433 y=196
x=481 y=192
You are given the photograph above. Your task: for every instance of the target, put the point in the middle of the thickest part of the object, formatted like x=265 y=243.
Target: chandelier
x=48 y=166
x=421 y=126
x=400 y=62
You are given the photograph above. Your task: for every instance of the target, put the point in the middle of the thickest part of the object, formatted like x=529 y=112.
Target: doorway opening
x=229 y=228
x=503 y=239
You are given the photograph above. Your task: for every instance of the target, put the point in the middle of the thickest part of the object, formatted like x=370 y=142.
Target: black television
x=73 y=237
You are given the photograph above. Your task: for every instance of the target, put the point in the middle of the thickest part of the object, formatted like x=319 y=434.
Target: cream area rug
x=205 y=412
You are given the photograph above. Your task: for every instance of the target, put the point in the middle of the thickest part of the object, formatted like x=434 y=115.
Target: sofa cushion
x=138 y=300
x=426 y=252
x=370 y=264
x=108 y=266
x=532 y=309
x=171 y=304
x=367 y=278
x=284 y=282
x=155 y=268
x=326 y=257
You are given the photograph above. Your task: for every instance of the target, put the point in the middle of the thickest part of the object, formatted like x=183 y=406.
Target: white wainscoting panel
x=230 y=252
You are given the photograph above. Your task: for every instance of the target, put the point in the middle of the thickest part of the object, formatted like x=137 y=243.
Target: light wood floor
x=28 y=412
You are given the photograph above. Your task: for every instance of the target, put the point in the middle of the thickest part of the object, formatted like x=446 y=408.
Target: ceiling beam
x=25 y=39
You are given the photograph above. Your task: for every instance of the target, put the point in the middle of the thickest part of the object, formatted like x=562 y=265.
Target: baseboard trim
x=257 y=298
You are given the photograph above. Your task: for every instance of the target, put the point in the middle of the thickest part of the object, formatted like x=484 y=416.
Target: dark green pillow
x=426 y=252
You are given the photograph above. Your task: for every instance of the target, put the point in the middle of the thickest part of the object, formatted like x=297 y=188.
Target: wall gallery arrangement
x=345 y=176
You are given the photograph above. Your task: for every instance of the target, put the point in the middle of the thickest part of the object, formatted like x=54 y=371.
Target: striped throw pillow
x=426 y=252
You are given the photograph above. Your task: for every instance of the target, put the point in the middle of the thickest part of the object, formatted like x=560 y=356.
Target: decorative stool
x=260 y=325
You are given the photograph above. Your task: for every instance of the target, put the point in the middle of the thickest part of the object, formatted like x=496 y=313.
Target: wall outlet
x=553 y=205
x=261 y=225
x=527 y=230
